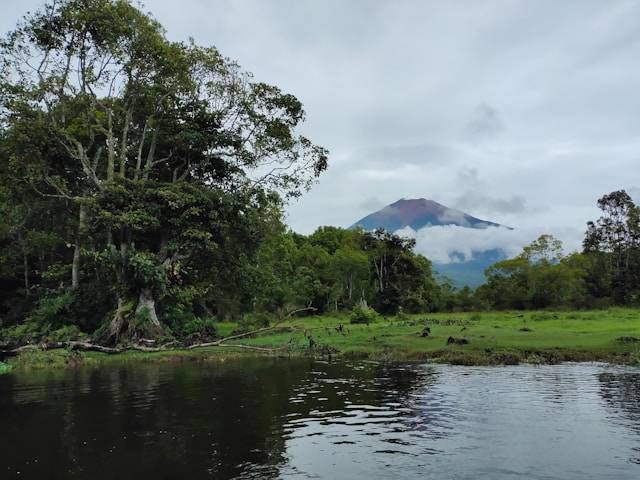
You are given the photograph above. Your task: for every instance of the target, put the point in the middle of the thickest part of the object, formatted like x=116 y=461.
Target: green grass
x=494 y=338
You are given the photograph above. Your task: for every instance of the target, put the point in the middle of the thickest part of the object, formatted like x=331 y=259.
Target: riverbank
x=493 y=338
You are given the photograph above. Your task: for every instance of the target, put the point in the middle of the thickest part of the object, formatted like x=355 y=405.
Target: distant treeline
x=605 y=273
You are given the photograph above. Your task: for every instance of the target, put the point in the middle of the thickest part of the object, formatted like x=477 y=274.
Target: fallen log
x=91 y=347
x=76 y=345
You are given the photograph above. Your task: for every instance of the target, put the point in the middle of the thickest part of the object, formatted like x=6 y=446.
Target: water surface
x=266 y=418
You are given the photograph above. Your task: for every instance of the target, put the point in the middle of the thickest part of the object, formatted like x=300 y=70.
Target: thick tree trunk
x=133 y=326
x=147 y=306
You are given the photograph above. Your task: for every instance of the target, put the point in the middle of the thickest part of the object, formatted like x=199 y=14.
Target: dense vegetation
x=605 y=273
x=141 y=189
x=142 y=184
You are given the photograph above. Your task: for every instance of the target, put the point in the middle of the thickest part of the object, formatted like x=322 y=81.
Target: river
x=268 y=418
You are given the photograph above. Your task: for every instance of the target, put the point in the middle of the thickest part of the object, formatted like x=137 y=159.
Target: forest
x=142 y=190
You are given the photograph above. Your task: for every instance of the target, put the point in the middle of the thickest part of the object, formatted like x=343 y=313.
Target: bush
x=254 y=321
x=21 y=334
x=205 y=327
x=64 y=334
x=363 y=314
x=4 y=368
x=52 y=308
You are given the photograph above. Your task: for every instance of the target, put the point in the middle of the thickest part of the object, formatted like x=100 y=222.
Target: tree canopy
x=137 y=166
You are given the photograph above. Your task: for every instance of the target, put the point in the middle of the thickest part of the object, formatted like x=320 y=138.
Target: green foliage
x=165 y=188
x=254 y=321
x=5 y=368
x=190 y=327
x=65 y=334
x=21 y=334
x=363 y=314
x=149 y=184
x=52 y=309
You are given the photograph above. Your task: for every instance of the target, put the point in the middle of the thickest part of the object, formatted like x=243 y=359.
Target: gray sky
x=519 y=112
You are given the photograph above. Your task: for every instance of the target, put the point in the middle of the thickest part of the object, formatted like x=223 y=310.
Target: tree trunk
x=118 y=324
x=147 y=306
x=75 y=266
x=25 y=261
x=110 y=147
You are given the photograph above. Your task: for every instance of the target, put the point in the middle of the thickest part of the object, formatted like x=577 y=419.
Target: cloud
x=479 y=202
x=522 y=113
x=453 y=216
x=391 y=158
x=452 y=243
x=485 y=123
x=371 y=204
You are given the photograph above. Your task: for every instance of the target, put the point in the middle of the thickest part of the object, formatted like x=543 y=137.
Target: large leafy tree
x=167 y=157
x=401 y=278
x=539 y=277
x=614 y=243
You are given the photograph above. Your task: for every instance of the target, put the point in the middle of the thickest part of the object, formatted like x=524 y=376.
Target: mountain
x=422 y=213
x=419 y=213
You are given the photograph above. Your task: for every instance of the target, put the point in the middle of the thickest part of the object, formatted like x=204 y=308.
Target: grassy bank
x=493 y=338
x=483 y=339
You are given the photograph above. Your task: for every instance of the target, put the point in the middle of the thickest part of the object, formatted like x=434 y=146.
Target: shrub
x=22 y=334
x=253 y=321
x=198 y=326
x=363 y=314
x=64 y=334
x=50 y=309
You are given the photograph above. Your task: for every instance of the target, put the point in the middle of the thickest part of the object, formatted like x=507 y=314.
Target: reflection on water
x=265 y=418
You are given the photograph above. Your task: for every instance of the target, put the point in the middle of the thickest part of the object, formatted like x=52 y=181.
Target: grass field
x=501 y=337
x=493 y=338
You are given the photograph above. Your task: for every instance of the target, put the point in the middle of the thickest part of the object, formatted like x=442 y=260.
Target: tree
x=539 y=277
x=401 y=278
x=166 y=153
x=615 y=236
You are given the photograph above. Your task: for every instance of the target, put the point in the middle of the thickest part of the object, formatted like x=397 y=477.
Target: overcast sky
x=518 y=112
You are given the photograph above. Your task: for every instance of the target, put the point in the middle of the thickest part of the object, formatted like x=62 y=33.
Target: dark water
x=302 y=419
